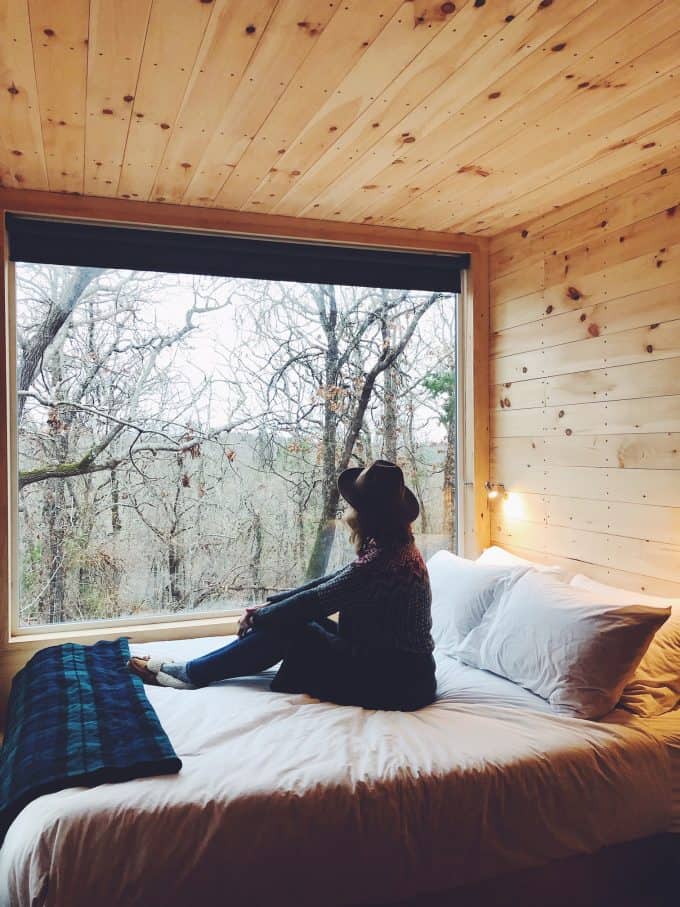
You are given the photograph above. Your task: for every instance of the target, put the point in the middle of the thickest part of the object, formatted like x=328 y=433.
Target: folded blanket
x=78 y=717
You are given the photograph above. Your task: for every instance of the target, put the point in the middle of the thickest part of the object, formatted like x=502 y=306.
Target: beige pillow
x=655 y=686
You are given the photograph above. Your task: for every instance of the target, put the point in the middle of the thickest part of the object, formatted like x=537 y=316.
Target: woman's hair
x=365 y=526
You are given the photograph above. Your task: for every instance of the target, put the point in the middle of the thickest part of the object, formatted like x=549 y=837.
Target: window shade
x=94 y=245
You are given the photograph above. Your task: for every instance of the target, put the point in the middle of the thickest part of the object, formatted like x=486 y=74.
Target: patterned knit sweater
x=383 y=599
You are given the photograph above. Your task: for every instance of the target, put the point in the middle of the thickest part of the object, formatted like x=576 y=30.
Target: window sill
x=137 y=632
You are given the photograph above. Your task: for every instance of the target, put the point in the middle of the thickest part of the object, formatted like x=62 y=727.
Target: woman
x=379 y=655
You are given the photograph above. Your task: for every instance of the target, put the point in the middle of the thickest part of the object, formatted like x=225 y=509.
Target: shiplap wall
x=585 y=384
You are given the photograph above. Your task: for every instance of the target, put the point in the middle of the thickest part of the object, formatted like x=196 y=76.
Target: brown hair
x=366 y=526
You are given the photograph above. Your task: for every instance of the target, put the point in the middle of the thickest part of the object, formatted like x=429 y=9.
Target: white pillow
x=499 y=557
x=655 y=687
x=462 y=590
x=562 y=643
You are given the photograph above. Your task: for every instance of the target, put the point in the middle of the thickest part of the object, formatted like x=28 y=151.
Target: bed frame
x=635 y=874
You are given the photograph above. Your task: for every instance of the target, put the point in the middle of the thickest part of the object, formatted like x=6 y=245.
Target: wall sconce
x=495 y=490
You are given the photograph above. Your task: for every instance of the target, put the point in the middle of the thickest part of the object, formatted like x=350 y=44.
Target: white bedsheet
x=286 y=800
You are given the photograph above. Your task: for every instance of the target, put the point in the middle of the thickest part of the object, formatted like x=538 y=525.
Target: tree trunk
x=175 y=574
x=56 y=515
x=116 y=524
x=60 y=311
x=389 y=401
x=450 y=482
x=415 y=477
x=256 y=557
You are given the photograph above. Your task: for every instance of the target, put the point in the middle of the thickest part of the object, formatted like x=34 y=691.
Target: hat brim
x=408 y=509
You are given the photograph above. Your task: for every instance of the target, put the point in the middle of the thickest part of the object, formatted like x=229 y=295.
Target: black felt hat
x=379 y=488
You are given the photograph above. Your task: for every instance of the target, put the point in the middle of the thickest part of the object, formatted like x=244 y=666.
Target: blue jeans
x=257 y=651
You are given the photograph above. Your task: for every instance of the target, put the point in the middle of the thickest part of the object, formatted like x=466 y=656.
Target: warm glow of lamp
x=513 y=506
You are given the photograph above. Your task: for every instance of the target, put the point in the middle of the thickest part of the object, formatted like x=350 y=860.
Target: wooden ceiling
x=466 y=116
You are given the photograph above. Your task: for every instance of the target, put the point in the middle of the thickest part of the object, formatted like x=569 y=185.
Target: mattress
x=284 y=799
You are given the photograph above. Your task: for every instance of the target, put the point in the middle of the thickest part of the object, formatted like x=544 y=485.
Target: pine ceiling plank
x=467 y=31
x=289 y=37
x=173 y=37
x=566 y=137
x=411 y=29
x=340 y=47
x=412 y=139
x=59 y=32
x=639 y=143
x=226 y=51
x=534 y=87
x=117 y=30
x=22 y=160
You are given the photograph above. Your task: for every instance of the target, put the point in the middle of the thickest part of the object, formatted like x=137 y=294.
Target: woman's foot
x=161 y=673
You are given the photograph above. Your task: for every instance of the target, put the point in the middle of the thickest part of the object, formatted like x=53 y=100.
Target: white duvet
x=284 y=800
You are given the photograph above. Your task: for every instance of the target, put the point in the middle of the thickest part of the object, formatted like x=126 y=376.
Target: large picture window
x=178 y=435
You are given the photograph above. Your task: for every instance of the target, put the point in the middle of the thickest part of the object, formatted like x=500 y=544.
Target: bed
x=283 y=799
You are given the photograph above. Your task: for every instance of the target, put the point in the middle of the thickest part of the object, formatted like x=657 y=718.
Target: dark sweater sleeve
x=335 y=592
x=312 y=584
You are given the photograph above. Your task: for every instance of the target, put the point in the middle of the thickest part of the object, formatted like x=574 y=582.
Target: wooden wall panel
x=585 y=384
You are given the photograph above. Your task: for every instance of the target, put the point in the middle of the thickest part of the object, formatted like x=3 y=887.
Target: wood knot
x=107 y=111
x=303 y=24
x=128 y=98
x=524 y=234
x=524 y=369
x=654 y=326
x=573 y=293
x=508 y=384
x=671 y=211
x=544 y=4
x=140 y=116
x=650 y=348
x=502 y=402
x=649 y=145
x=186 y=165
x=583 y=84
x=568 y=431
x=556 y=48
x=375 y=125
x=560 y=414
x=479 y=3
x=448 y=8
x=165 y=125
x=49 y=32
x=603 y=223
x=582 y=317
x=250 y=29
x=332 y=128
x=507 y=402
x=509 y=18
x=494 y=95
x=659 y=262
x=548 y=310
x=281 y=151
x=13 y=89
x=409 y=139
x=663 y=171
x=17 y=153
x=295 y=172
x=593 y=330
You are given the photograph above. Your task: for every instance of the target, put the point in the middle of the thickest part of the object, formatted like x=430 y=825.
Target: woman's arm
x=326 y=597
x=312 y=584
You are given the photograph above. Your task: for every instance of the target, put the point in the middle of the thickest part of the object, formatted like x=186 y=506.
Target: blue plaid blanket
x=78 y=717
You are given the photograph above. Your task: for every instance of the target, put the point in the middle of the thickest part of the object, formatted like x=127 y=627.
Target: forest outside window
x=178 y=435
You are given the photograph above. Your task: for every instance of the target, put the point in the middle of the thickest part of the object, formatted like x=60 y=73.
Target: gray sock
x=176 y=669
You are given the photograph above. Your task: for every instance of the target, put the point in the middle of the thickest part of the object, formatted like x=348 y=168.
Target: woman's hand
x=245 y=623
